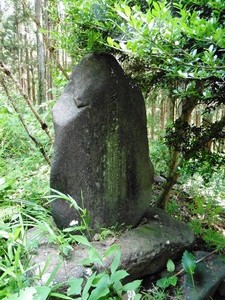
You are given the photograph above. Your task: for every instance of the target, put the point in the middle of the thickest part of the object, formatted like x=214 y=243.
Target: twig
x=7 y=72
x=198 y=261
x=36 y=142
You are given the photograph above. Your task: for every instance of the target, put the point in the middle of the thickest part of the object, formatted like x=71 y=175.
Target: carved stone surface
x=101 y=155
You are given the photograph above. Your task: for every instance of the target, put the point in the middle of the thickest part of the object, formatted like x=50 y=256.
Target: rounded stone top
x=96 y=75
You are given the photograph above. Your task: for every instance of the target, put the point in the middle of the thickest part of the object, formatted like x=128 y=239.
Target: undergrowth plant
x=24 y=177
x=18 y=246
x=165 y=282
x=189 y=264
x=207 y=211
x=13 y=250
x=83 y=224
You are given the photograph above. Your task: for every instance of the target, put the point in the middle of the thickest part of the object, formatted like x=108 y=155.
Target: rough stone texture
x=220 y=294
x=101 y=148
x=145 y=249
x=208 y=276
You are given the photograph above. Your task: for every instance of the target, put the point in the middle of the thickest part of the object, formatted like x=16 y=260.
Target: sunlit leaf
x=188 y=262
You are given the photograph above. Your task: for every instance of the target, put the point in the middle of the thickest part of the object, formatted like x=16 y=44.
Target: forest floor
x=183 y=206
x=209 y=230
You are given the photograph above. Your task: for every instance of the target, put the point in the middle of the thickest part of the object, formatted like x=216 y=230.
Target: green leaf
x=170 y=266
x=94 y=256
x=163 y=283
x=112 y=250
x=101 y=290
x=42 y=293
x=85 y=293
x=81 y=240
x=65 y=249
x=188 y=262
x=118 y=287
x=101 y=285
x=156 y=6
x=115 y=262
x=53 y=273
x=132 y=286
x=62 y=296
x=4 y=110
x=127 y=11
x=122 y=15
x=99 y=277
x=26 y=293
x=173 y=280
x=118 y=275
x=110 y=41
x=75 y=286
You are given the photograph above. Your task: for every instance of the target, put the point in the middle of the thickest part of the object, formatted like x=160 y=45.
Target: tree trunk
x=33 y=84
x=207 y=121
x=48 y=44
x=27 y=57
x=162 y=114
x=49 y=58
x=40 y=55
x=198 y=117
x=153 y=115
x=187 y=107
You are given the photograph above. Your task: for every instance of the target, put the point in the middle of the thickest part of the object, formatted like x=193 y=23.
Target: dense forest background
x=174 y=50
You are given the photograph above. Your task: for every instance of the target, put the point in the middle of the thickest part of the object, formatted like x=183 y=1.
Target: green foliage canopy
x=176 y=44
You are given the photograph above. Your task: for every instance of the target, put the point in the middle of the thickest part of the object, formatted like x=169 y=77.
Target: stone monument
x=101 y=155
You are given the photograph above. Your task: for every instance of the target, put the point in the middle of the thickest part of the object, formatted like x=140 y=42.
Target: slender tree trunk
x=153 y=115
x=28 y=71
x=198 y=117
x=162 y=114
x=48 y=44
x=33 y=84
x=207 y=121
x=188 y=105
x=40 y=55
x=49 y=59
x=222 y=141
x=171 y=107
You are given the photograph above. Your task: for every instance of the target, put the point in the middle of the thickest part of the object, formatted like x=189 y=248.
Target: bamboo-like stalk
x=47 y=42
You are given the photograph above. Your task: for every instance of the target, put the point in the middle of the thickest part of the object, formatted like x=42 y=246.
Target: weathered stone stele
x=101 y=155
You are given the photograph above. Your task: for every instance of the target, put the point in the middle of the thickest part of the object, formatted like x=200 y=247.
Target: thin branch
x=198 y=261
x=36 y=142
x=7 y=72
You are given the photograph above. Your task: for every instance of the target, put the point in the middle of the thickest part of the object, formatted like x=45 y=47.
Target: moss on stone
x=114 y=167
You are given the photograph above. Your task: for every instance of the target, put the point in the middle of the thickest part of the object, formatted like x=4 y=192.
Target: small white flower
x=74 y=223
x=168 y=242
